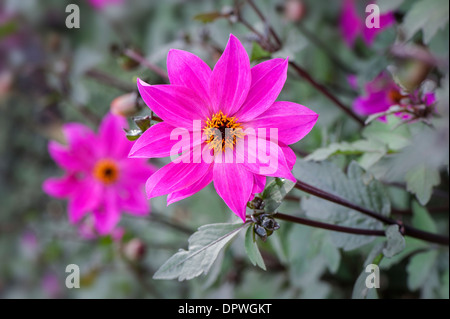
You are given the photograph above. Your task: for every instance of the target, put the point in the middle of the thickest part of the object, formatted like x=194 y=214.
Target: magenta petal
x=187 y=69
x=259 y=183
x=112 y=136
x=135 y=171
x=133 y=201
x=84 y=199
x=350 y=23
x=230 y=79
x=66 y=158
x=386 y=20
x=234 y=183
x=290 y=156
x=179 y=106
x=174 y=177
x=60 y=187
x=268 y=160
x=155 y=142
x=292 y=120
x=80 y=150
x=268 y=79
x=107 y=216
x=191 y=190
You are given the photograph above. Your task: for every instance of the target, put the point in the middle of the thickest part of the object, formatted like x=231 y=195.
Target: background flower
x=382 y=92
x=352 y=23
x=99 y=177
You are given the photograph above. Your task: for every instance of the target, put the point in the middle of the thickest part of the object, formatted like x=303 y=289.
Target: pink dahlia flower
x=100 y=178
x=232 y=130
x=383 y=92
x=352 y=23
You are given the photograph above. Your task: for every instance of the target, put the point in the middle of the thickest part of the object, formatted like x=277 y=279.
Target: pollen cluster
x=106 y=171
x=222 y=131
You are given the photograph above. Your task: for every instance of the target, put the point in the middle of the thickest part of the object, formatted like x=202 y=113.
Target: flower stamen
x=106 y=171
x=222 y=131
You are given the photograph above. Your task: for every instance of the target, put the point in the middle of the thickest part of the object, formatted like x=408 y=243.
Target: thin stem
x=109 y=80
x=338 y=228
x=316 y=41
x=303 y=73
x=139 y=58
x=405 y=229
x=263 y=19
x=264 y=42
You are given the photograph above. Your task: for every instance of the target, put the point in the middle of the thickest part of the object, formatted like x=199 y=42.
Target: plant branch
x=303 y=73
x=338 y=228
x=263 y=19
x=405 y=229
x=144 y=62
x=109 y=80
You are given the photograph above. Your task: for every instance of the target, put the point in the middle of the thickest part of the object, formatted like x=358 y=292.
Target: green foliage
x=357 y=186
x=251 y=248
x=275 y=192
x=426 y=16
x=204 y=247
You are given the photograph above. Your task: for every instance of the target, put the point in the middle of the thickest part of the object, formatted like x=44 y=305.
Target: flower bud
x=134 y=250
x=294 y=10
x=125 y=105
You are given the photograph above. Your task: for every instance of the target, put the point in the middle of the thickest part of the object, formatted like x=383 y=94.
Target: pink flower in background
x=99 y=178
x=51 y=286
x=234 y=97
x=352 y=23
x=383 y=92
x=101 y=4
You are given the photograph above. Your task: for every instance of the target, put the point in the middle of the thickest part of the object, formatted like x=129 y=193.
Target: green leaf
x=389 y=5
x=392 y=110
x=258 y=53
x=419 y=268
x=392 y=135
x=421 y=219
x=421 y=180
x=252 y=249
x=360 y=290
x=275 y=192
x=355 y=148
x=204 y=247
x=358 y=187
x=395 y=241
x=133 y=135
x=143 y=122
x=208 y=17
x=425 y=15
x=7 y=28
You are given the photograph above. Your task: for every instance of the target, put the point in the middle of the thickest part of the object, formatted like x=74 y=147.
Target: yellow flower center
x=222 y=131
x=395 y=96
x=106 y=171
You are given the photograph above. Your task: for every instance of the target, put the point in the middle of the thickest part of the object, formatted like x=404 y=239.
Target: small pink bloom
x=352 y=23
x=382 y=93
x=101 y=4
x=232 y=96
x=51 y=286
x=99 y=178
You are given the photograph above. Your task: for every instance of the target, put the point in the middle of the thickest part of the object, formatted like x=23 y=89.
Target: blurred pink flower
x=51 y=286
x=352 y=23
x=383 y=92
x=100 y=178
x=101 y=4
x=232 y=98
